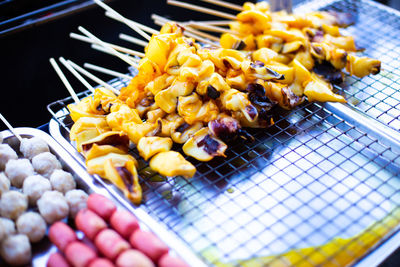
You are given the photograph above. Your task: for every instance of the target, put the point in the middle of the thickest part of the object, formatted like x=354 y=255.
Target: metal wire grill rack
x=312 y=180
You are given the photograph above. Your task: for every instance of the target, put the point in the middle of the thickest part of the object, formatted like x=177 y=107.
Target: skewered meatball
x=45 y=163
x=13 y=204
x=6 y=153
x=32 y=225
x=16 y=250
x=76 y=201
x=34 y=187
x=8 y=226
x=17 y=170
x=53 y=206
x=31 y=147
x=62 y=181
x=4 y=183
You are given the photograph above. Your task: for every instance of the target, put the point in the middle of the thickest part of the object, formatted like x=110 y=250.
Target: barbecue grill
x=323 y=174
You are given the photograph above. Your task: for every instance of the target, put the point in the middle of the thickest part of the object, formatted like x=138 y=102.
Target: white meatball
x=32 y=225
x=4 y=183
x=62 y=181
x=53 y=206
x=17 y=170
x=8 y=226
x=31 y=147
x=13 y=204
x=45 y=163
x=34 y=187
x=6 y=153
x=16 y=250
x=76 y=201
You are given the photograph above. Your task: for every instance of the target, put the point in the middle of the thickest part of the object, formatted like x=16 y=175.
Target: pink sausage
x=57 y=260
x=60 y=234
x=89 y=223
x=101 y=262
x=169 y=261
x=124 y=223
x=101 y=205
x=133 y=258
x=79 y=255
x=149 y=244
x=110 y=243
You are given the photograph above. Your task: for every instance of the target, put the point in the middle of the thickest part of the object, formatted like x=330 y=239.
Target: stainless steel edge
x=377 y=129
x=379 y=254
x=172 y=240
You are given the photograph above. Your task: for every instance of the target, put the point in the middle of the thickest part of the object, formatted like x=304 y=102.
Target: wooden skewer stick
x=107 y=71
x=139 y=25
x=104 y=50
x=215 y=22
x=64 y=80
x=125 y=20
x=116 y=47
x=10 y=127
x=202 y=34
x=159 y=20
x=94 y=78
x=210 y=28
x=224 y=4
x=76 y=74
x=201 y=9
x=189 y=34
x=132 y=39
x=112 y=50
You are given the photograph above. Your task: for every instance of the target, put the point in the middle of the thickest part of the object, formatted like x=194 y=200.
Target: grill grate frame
x=311 y=177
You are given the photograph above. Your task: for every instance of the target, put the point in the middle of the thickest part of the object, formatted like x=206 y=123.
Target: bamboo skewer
x=215 y=22
x=125 y=20
x=76 y=74
x=9 y=126
x=104 y=50
x=201 y=9
x=64 y=80
x=224 y=4
x=91 y=76
x=210 y=28
x=202 y=34
x=132 y=39
x=139 y=25
x=100 y=42
x=116 y=47
x=107 y=71
x=159 y=20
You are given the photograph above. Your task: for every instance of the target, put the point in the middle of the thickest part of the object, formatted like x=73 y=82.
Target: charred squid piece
x=290 y=100
x=203 y=146
x=212 y=92
x=116 y=139
x=125 y=178
x=225 y=128
x=326 y=70
x=258 y=71
x=343 y=19
x=257 y=96
x=228 y=129
x=314 y=35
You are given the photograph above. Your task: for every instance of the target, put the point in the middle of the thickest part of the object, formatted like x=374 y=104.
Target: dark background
x=28 y=82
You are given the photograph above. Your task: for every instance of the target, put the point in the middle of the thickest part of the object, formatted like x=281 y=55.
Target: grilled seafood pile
x=201 y=97
x=307 y=48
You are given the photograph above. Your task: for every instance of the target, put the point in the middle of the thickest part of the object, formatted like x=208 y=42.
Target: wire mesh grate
x=313 y=180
